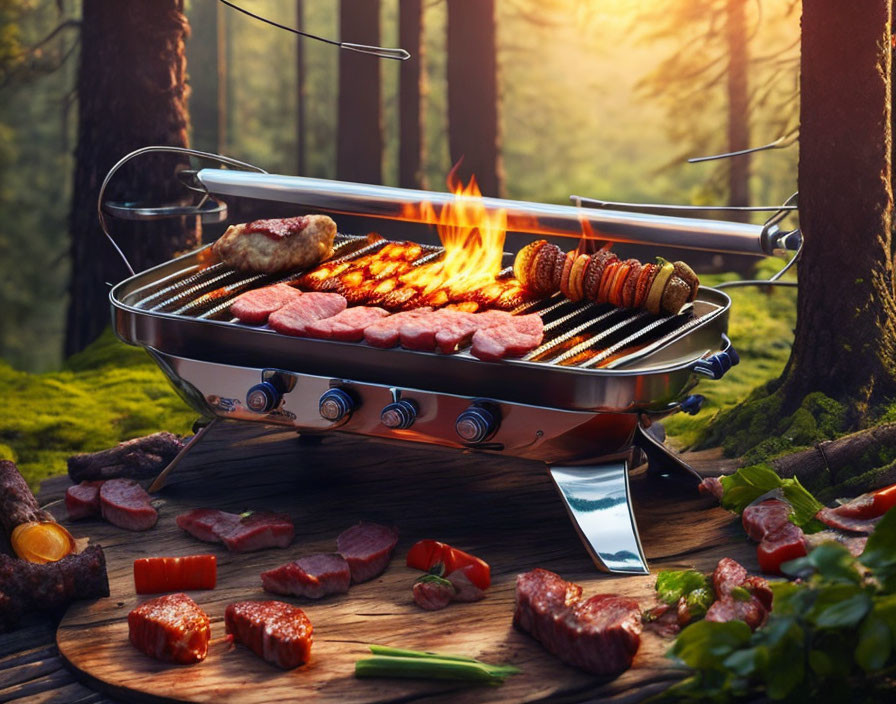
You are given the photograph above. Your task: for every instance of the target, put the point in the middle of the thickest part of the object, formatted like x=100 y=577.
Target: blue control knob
x=263 y=397
x=335 y=405
x=399 y=414
x=476 y=424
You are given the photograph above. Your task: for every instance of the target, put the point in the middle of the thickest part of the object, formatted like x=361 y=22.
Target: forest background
x=604 y=98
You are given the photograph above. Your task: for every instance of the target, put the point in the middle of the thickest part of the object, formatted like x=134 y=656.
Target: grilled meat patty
x=272 y=246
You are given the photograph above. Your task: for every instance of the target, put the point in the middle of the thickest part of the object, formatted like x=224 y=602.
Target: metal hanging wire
x=131 y=211
x=378 y=51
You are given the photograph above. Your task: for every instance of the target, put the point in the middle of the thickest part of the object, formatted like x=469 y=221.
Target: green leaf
x=880 y=551
x=740 y=594
x=786 y=668
x=699 y=601
x=671 y=585
x=875 y=644
x=747 y=662
x=820 y=663
x=706 y=644
x=749 y=483
x=840 y=606
x=835 y=563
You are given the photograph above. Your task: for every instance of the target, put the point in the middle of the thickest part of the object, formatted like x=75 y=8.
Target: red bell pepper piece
x=426 y=554
x=784 y=544
x=153 y=575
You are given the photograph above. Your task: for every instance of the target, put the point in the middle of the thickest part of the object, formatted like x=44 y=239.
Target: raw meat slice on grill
x=510 y=336
x=255 y=306
x=367 y=547
x=765 y=517
x=257 y=531
x=83 y=500
x=600 y=635
x=294 y=318
x=347 y=326
x=314 y=576
x=125 y=504
x=387 y=332
x=422 y=332
x=279 y=633
x=171 y=628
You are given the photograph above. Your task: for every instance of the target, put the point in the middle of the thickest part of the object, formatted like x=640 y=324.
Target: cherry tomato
x=426 y=554
x=780 y=546
x=153 y=575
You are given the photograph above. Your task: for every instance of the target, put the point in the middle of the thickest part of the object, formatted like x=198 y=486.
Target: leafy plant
x=749 y=483
x=830 y=636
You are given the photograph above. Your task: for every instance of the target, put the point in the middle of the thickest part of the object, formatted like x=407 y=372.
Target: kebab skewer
x=663 y=287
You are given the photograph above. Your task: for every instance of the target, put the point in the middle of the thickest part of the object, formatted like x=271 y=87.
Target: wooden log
x=17 y=503
x=140 y=458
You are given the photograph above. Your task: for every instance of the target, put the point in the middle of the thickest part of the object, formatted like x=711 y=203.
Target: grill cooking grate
x=582 y=334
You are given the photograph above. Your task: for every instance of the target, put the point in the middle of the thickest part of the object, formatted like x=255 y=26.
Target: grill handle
x=715 y=366
x=543 y=219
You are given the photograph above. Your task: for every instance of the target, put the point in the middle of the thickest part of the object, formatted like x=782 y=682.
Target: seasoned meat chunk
x=271 y=246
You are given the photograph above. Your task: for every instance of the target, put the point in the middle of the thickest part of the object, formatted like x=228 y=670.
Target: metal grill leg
x=599 y=503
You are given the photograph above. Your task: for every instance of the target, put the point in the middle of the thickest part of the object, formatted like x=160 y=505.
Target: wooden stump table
x=505 y=511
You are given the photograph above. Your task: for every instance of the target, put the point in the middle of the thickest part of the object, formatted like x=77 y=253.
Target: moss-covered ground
x=112 y=392
x=108 y=393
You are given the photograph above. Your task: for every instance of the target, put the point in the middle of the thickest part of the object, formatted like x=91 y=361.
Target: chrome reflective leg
x=599 y=504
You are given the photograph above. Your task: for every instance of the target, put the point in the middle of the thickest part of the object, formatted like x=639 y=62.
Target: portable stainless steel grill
x=576 y=403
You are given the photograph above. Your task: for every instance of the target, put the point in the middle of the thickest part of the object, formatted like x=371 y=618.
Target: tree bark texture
x=738 y=105
x=359 y=152
x=473 y=131
x=410 y=92
x=845 y=340
x=132 y=93
x=203 y=60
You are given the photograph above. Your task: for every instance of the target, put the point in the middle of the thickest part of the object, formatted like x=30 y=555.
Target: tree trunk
x=359 y=151
x=845 y=341
x=131 y=94
x=410 y=105
x=202 y=57
x=738 y=105
x=473 y=133
x=300 y=80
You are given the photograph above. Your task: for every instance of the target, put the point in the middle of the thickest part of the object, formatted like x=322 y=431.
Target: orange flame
x=472 y=236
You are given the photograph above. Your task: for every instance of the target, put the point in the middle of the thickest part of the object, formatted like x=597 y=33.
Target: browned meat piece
x=367 y=547
x=855 y=544
x=294 y=318
x=125 y=504
x=433 y=595
x=728 y=575
x=765 y=517
x=271 y=246
x=600 y=635
x=17 y=503
x=254 y=307
x=83 y=500
x=347 y=326
x=140 y=458
x=712 y=486
x=314 y=576
x=25 y=586
x=750 y=611
x=279 y=633
x=257 y=531
x=171 y=628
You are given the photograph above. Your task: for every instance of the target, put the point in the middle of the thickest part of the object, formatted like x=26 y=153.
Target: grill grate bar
x=547 y=346
x=190 y=291
x=602 y=335
x=644 y=351
x=578 y=310
x=188 y=277
x=530 y=306
x=626 y=342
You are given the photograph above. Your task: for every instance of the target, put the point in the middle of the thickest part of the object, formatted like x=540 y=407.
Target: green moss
x=108 y=393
